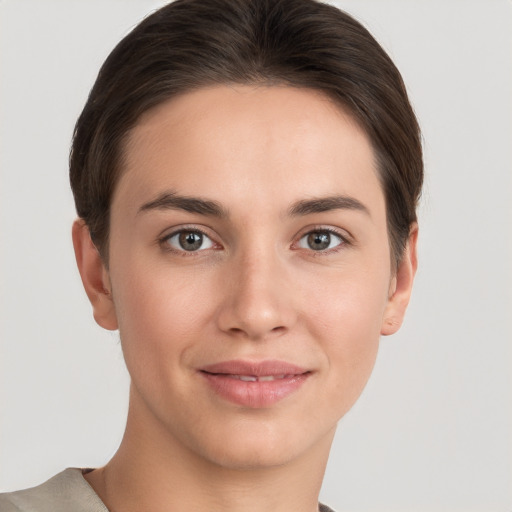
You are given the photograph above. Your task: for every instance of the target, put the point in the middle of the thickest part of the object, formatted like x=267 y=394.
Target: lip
x=254 y=384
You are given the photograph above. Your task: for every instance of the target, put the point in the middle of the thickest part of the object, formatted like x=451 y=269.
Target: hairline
x=343 y=108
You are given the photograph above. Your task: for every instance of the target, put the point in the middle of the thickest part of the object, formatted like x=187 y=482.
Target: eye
x=320 y=240
x=189 y=240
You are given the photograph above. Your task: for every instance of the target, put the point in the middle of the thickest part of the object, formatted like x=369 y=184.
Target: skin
x=254 y=291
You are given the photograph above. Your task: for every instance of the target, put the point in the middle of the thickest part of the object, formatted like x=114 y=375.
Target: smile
x=255 y=378
x=254 y=385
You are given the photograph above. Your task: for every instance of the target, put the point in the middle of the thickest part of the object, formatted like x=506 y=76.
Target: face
x=249 y=271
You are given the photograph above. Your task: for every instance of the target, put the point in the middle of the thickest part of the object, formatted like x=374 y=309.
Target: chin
x=250 y=458
x=252 y=447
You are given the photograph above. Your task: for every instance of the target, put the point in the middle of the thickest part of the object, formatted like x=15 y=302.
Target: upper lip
x=256 y=368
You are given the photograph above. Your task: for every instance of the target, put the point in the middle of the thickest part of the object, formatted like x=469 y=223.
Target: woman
x=246 y=175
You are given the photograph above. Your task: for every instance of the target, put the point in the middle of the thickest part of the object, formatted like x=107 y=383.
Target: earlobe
x=95 y=277
x=401 y=286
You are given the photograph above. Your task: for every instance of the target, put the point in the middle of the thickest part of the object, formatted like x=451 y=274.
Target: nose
x=257 y=298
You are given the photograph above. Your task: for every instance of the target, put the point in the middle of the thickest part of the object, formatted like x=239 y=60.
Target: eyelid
x=169 y=233
x=344 y=235
x=341 y=232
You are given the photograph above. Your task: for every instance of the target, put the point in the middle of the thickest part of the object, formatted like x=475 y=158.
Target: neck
x=153 y=471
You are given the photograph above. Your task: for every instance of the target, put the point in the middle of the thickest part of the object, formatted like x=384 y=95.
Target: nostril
x=255 y=313
x=239 y=331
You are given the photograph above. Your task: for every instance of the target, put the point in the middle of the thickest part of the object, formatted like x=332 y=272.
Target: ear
x=95 y=277
x=401 y=286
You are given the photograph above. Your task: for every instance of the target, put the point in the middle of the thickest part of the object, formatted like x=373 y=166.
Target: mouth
x=254 y=385
x=255 y=378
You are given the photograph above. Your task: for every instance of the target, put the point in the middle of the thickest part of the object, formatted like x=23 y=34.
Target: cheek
x=159 y=313
x=347 y=320
x=348 y=303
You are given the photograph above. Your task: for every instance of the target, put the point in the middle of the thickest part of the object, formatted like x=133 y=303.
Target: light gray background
x=432 y=431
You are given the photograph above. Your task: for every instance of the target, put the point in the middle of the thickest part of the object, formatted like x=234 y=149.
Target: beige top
x=66 y=492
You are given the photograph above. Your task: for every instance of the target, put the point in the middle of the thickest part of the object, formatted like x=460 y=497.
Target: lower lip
x=257 y=394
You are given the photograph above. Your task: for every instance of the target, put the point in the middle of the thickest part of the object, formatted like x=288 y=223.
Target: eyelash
x=164 y=241
x=344 y=241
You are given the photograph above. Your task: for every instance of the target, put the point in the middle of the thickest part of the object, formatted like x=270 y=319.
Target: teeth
x=254 y=378
x=247 y=378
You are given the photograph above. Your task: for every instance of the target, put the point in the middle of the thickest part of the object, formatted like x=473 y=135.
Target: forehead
x=229 y=142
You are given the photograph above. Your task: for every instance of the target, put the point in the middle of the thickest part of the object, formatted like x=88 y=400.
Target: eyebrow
x=172 y=201
x=325 y=204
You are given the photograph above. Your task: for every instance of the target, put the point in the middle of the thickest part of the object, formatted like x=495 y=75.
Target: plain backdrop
x=432 y=430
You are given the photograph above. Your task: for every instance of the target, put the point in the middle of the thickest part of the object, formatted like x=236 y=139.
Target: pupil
x=318 y=241
x=190 y=241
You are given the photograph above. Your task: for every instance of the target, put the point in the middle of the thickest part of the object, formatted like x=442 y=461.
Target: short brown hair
x=190 y=44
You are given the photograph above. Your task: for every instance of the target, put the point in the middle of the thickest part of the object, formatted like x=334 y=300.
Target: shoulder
x=66 y=491
x=325 y=508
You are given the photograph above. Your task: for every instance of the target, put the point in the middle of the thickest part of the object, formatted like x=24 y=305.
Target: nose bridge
x=258 y=302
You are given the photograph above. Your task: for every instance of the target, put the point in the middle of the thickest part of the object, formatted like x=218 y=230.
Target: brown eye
x=320 y=240
x=190 y=241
